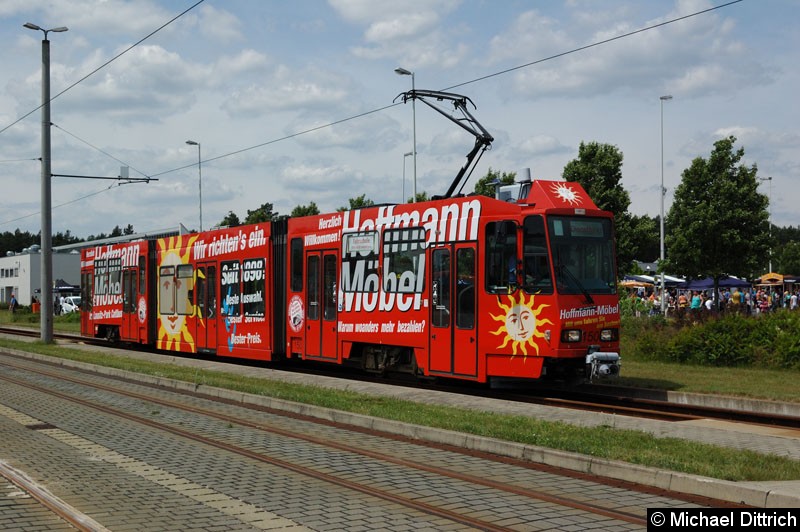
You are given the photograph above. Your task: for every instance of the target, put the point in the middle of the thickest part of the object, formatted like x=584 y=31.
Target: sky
x=295 y=102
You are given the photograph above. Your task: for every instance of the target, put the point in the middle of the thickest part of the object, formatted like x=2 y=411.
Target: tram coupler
x=602 y=365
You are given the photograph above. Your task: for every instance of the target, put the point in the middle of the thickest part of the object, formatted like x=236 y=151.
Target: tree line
x=19 y=240
x=718 y=223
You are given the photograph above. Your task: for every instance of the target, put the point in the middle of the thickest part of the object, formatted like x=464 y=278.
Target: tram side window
x=87 y=284
x=211 y=280
x=404 y=260
x=535 y=259
x=440 y=287
x=253 y=287
x=201 y=287
x=229 y=287
x=465 y=288
x=329 y=287
x=142 y=275
x=184 y=285
x=501 y=257
x=100 y=277
x=297 y=265
x=360 y=262
x=312 y=287
x=166 y=290
x=129 y=291
x=115 y=276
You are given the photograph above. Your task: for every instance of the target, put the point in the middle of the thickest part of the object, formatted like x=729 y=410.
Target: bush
x=732 y=340
x=776 y=342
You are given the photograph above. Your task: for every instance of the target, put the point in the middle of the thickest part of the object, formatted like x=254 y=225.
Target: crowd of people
x=752 y=301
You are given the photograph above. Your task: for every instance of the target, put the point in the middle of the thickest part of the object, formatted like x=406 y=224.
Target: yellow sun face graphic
x=566 y=193
x=173 y=303
x=521 y=324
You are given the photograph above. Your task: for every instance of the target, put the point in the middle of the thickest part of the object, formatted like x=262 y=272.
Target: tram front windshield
x=582 y=252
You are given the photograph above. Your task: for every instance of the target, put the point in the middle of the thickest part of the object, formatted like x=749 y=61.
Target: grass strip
x=752 y=383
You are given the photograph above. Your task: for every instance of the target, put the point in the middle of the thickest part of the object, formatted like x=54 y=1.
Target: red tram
x=518 y=287
x=468 y=288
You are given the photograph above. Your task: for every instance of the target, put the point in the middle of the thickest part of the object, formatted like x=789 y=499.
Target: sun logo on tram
x=566 y=193
x=521 y=324
x=173 y=290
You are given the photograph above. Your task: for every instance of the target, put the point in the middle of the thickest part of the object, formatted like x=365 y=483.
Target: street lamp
x=200 y=181
x=770 y=218
x=403 y=72
x=46 y=312
x=663 y=193
x=405 y=155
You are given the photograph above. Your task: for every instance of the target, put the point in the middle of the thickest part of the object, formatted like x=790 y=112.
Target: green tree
x=787 y=258
x=421 y=196
x=305 y=210
x=645 y=238
x=357 y=203
x=63 y=239
x=719 y=222
x=598 y=169
x=486 y=185
x=261 y=214
x=100 y=236
x=230 y=220
x=17 y=241
x=783 y=235
x=784 y=243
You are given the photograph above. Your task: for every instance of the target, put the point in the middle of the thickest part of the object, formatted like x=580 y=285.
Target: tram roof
x=147 y=235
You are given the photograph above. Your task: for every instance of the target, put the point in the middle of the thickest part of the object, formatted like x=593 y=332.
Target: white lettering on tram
x=361 y=288
x=447 y=223
x=128 y=254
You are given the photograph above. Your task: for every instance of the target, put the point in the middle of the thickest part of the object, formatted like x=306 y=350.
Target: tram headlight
x=571 y=335
x=609 y=335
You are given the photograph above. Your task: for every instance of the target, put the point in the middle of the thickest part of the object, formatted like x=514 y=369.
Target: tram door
x=129 y=330
x=321 y=271
x=453 y=342
x=206 y=307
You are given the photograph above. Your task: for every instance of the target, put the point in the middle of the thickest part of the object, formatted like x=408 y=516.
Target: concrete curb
x=738 y=492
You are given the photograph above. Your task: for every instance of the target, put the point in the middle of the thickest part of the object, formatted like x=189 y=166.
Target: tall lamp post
x=200 y=175
x=46 y=311
x=404 y=72
x=663 y=193
x=405 y=156
x=770 y=218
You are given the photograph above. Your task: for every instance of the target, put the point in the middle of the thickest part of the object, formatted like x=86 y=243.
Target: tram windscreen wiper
x=562 y=269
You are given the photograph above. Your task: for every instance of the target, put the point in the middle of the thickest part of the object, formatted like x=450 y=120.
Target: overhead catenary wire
x=96 y=70
x=462 y=84
x=81 y=80
x=76 y=137
x=19 y=160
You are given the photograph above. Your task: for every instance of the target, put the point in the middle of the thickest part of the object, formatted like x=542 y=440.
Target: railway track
x=609 y=400
x=187 y=421
x=350 y=460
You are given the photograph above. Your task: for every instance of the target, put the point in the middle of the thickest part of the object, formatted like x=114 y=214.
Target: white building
x=21 y=273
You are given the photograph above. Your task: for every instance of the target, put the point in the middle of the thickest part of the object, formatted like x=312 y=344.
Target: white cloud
x=219 y=24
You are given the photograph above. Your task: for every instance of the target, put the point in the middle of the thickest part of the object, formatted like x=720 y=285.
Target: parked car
x=71 y=304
